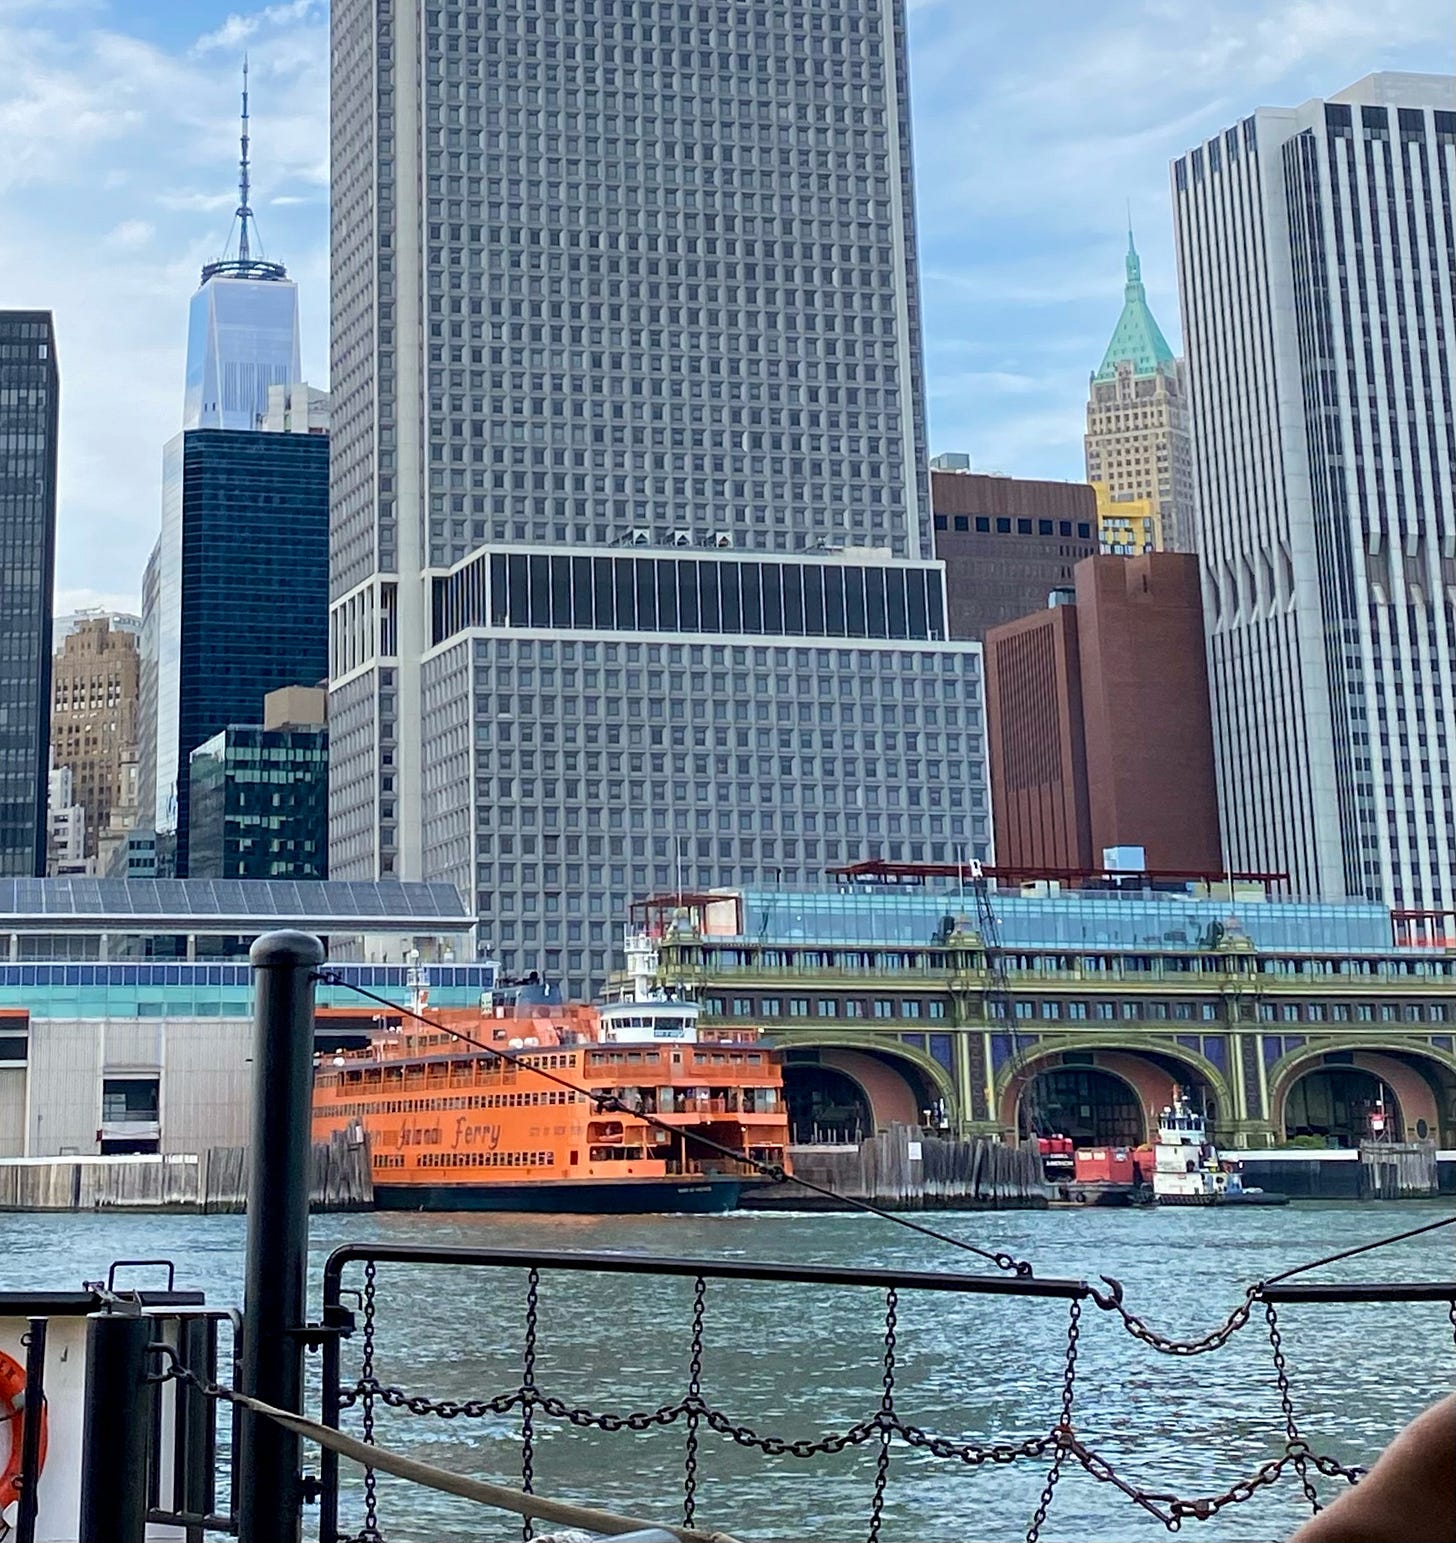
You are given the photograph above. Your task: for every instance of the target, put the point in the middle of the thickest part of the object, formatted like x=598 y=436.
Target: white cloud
x=130 y=235
x=238 y=29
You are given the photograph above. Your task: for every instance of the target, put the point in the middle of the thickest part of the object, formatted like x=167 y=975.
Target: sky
x=1038 y=125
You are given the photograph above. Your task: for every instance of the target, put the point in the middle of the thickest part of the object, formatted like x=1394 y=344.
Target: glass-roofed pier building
x=126 y=1006
x=1077 y=1004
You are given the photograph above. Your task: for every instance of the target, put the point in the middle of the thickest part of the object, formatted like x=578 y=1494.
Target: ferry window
x=909 y=1009
x=884 y=1009
x=1131 y=1010
x=1183 y=1011
x=827 y=1007
x=937 y=1009
x=854 y=1009
x=1051 y=1010
x=1208 y=1012
x=798 y=1007
x=771 y=1007
x=742 y=1007
x=1076 y=1010
x=1024 y=1009
x=1289 y=1013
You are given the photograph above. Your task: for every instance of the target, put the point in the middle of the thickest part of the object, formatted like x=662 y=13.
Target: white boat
x=1187 y=1168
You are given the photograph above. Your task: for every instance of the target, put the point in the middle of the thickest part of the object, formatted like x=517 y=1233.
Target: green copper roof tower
x=1137 y=335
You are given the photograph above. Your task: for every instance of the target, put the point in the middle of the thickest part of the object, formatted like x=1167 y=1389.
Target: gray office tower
x=1316 y=261
x=30 y=391
x=631 y=572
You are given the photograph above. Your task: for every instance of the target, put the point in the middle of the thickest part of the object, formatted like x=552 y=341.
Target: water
x=792 y=1361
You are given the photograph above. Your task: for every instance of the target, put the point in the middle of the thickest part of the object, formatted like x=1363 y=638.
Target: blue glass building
x=239 y=607
x=29 y=399
x=242 y=337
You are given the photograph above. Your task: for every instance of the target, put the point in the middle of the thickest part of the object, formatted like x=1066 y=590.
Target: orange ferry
x=452 y=1128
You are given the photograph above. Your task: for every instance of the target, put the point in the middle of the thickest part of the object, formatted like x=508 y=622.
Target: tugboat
x=1187 y=1168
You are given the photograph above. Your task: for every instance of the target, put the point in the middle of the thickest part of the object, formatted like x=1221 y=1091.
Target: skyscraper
x=259 y=805
x=1099 y=722
x=242 y=328
x=30 y=391
x=234 y=598
x=94 y=699
x=239 y=606
x=631 y=562
x=1007 y=542
x=1137 y=443
x=1315 y=259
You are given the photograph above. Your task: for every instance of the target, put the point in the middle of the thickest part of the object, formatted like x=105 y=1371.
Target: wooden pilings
x=904 y=1168
x=214 y=1181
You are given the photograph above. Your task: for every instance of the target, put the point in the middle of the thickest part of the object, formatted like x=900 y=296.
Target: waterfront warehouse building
x=1283 y=1018
x=632 y=569
x=1315 y=259
x=109 y=1047
x=29 y=424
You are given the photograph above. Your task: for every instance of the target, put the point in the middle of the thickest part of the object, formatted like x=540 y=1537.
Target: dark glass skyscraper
x=260 y=804
x=239 y=607
x=29 y=402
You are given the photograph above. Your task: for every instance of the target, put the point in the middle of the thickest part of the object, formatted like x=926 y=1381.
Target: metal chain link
x=1300 y=1458
x=528 y=1398
x=369 y=1533
x=693 y=1405
x=885 y=1420
x=1182 y=1347
x=1064 y=1432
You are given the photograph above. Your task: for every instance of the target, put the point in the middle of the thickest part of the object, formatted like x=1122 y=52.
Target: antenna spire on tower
x=244 y=212
x=244 y=265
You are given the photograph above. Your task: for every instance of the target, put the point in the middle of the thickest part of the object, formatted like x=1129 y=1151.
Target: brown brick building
x=1007 y=542
x=94 y=685
x=1099 y=726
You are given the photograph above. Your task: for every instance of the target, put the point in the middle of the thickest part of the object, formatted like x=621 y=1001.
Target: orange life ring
x=12 y=1409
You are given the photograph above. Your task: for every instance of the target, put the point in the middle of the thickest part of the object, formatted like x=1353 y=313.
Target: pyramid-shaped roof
x=1137 y=335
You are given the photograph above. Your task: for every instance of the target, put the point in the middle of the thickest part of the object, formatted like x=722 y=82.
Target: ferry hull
x=599 y=1197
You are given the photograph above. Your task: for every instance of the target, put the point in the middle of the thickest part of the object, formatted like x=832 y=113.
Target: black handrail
x=695 y=1269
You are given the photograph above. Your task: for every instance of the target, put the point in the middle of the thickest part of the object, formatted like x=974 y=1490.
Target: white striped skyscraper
x=1315 y=255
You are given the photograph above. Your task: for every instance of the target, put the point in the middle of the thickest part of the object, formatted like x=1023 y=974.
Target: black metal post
x=116 y=1429
x=194 y=1448
x=268 y=1480
x=26 y=1511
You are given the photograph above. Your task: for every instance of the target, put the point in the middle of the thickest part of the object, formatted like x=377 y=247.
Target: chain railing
x=696 y=1412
